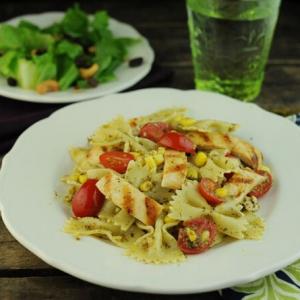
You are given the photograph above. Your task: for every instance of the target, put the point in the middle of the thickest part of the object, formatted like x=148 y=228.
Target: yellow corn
x=187 y=122
x=205 y=236
x=82 y=178
x=200 y=159
x=191 y=234
x=158 y=158
x=265 y=168
x=177 y=118
x=150 y=163
x=136 y=155
x=161 y=150
x=221 y=192
x=192 y=173
x=74 y=176
x=168 y=219
x=146 y=186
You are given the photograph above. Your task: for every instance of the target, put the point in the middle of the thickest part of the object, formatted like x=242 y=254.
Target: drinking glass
x=230 y=42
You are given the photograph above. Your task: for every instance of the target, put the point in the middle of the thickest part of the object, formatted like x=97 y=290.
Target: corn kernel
x=159 y=158
x=221 y=192
x=74 y=176
x=192 y=173
x=265 y=168
x=161 y=150
x=177 y=118
x=205 y=236
x=168 y=219
x=200 y=159
x=191 y=234
x=82 y=178
x=187 y=122
x=146 y=186
x=150 y=163
x=136 y=155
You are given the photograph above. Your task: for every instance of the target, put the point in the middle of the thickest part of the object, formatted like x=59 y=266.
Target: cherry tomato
x=116 y=160
x=88 y=200
x=206 y=188
x=177 y=141
x=154 y=130
x=264 y=187
x=202 y=240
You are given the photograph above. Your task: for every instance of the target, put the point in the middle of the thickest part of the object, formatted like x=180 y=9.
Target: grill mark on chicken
x=227 y=139
x=107 y=185
x=128 y=201
x=238 y=179
x=177 y=168
x=151 y=210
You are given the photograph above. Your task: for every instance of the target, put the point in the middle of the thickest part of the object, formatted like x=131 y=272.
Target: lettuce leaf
x=8 y=63
x=69 y=49
x=29 y=25
x=14 y=38
x=46 y=67
x=68 y=73
x=75 y=22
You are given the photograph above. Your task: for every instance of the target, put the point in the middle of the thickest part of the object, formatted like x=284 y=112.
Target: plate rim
x=74 y=97
x=119 y=286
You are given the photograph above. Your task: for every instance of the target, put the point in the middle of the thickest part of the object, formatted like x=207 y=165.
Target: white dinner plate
x=31 y=173
x=126 y=77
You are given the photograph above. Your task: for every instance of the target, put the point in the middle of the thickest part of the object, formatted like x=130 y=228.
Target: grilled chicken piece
x=126 y=196
x=175 y=169
x=248 y=154
x=243 y=182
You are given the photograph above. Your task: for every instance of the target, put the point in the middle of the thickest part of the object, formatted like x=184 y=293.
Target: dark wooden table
x=25 y=276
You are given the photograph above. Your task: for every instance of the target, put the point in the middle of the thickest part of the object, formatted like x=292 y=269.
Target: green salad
x=79 y=51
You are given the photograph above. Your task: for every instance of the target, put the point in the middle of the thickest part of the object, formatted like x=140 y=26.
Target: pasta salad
x=165 y=185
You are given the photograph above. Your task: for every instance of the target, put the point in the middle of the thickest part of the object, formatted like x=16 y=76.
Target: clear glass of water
x=230 y=42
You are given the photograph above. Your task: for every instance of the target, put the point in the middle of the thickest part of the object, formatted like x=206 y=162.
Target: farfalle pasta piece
x=89 y=226
x=123 y=219
x=116 y=216
x=137 y=173
x=157 y=192
x=165 y=115
x=212 y=171
x=188 y=204
x=86 y=158
x=221 y=158
x=234 y=227
x=157 y=246
x=232 y=208
x=255 y=228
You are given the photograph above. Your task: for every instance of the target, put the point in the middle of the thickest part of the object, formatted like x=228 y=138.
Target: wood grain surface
x=25 y=276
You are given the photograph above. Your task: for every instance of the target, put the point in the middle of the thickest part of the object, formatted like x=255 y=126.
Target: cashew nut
x=47 y=86
x=87 y=73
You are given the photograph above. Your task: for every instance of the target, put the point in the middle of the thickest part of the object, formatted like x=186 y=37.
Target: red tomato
x=154 y=130
x=206 y=188
x=199 y=245
x=177 y=141
x=88 y=200
x=116 y=160
x=264 y=187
